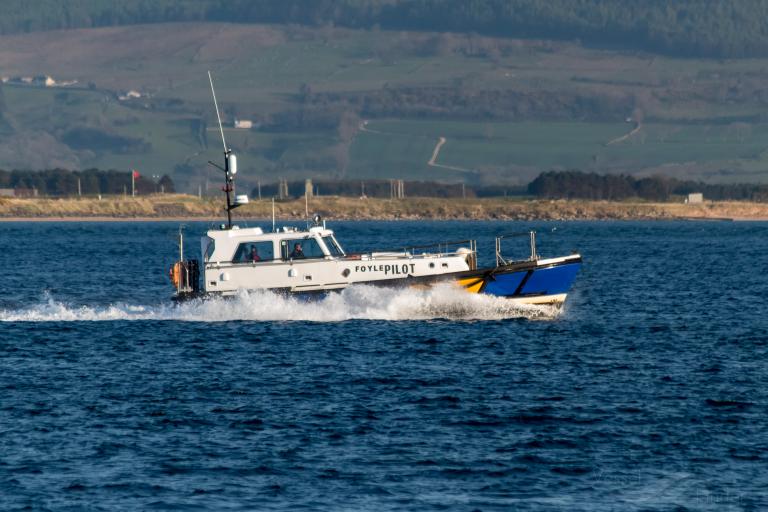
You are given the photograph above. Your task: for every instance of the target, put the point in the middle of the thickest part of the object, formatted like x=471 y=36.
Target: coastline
x=182 y=208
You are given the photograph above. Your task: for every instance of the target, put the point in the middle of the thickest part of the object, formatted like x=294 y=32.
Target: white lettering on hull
x=397 y=269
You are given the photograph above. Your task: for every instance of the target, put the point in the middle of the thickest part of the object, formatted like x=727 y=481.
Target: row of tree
x=62 y=182
x=575 y=184
x=572 y=184
x=704 y=28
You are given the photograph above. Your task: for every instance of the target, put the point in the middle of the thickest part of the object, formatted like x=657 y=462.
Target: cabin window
x=254 y=252
x=210 y=246
x=332 y=246
x=299 y=249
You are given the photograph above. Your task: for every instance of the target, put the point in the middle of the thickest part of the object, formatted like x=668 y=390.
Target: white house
x=243 y=124
x=130 y=95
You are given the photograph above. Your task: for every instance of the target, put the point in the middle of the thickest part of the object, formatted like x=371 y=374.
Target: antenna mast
x=216 y=106
x=230 y=162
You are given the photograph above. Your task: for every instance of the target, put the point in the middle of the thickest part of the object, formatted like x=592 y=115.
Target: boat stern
x=185 y=277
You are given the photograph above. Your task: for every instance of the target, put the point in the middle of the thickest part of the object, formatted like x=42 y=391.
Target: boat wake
x=355 y=303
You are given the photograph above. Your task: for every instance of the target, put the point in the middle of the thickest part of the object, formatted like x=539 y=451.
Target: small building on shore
x=694 y=198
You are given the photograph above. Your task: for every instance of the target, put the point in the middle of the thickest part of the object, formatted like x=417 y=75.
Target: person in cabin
x=298 y=252
x=254 y=255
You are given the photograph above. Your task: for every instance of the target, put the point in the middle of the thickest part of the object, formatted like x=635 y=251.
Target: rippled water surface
x=648 y=392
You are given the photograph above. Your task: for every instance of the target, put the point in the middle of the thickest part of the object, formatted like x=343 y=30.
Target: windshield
x=208 y=246
x=333 y=246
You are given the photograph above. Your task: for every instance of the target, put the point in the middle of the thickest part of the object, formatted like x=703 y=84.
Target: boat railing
x=186 y=275
x=438 y=249
x=501 y=260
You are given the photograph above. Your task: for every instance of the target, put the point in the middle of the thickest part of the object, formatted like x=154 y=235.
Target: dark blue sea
x=649 y=391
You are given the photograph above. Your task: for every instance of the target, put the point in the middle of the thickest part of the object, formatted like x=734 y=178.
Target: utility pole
x=399 y=189
x=285 y=188
x=79 y=189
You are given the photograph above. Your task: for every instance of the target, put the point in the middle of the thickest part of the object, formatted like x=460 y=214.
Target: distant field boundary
x=432 y=162
x=436 y=152
x=626 y=136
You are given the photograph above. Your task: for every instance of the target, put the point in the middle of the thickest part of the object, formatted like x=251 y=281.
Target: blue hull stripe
x=552 y=280
x=543 y=281
x=504 y=285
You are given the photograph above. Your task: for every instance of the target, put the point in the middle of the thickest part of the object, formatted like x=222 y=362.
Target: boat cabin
x=251 y=245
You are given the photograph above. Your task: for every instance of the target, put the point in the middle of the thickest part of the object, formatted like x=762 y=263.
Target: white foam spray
x=355 y=303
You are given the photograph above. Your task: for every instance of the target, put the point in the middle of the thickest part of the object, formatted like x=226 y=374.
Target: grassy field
x=519 y=151
x=703 y=119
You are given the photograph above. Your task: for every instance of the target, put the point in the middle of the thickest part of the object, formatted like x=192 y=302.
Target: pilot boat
x=311 y=261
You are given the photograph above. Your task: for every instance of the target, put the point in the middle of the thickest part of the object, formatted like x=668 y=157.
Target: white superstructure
x=250 y=259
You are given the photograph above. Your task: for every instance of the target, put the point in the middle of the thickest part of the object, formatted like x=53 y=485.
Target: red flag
x=136 y=174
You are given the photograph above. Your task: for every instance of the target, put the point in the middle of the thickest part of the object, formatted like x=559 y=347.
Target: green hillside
x=334 y=102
